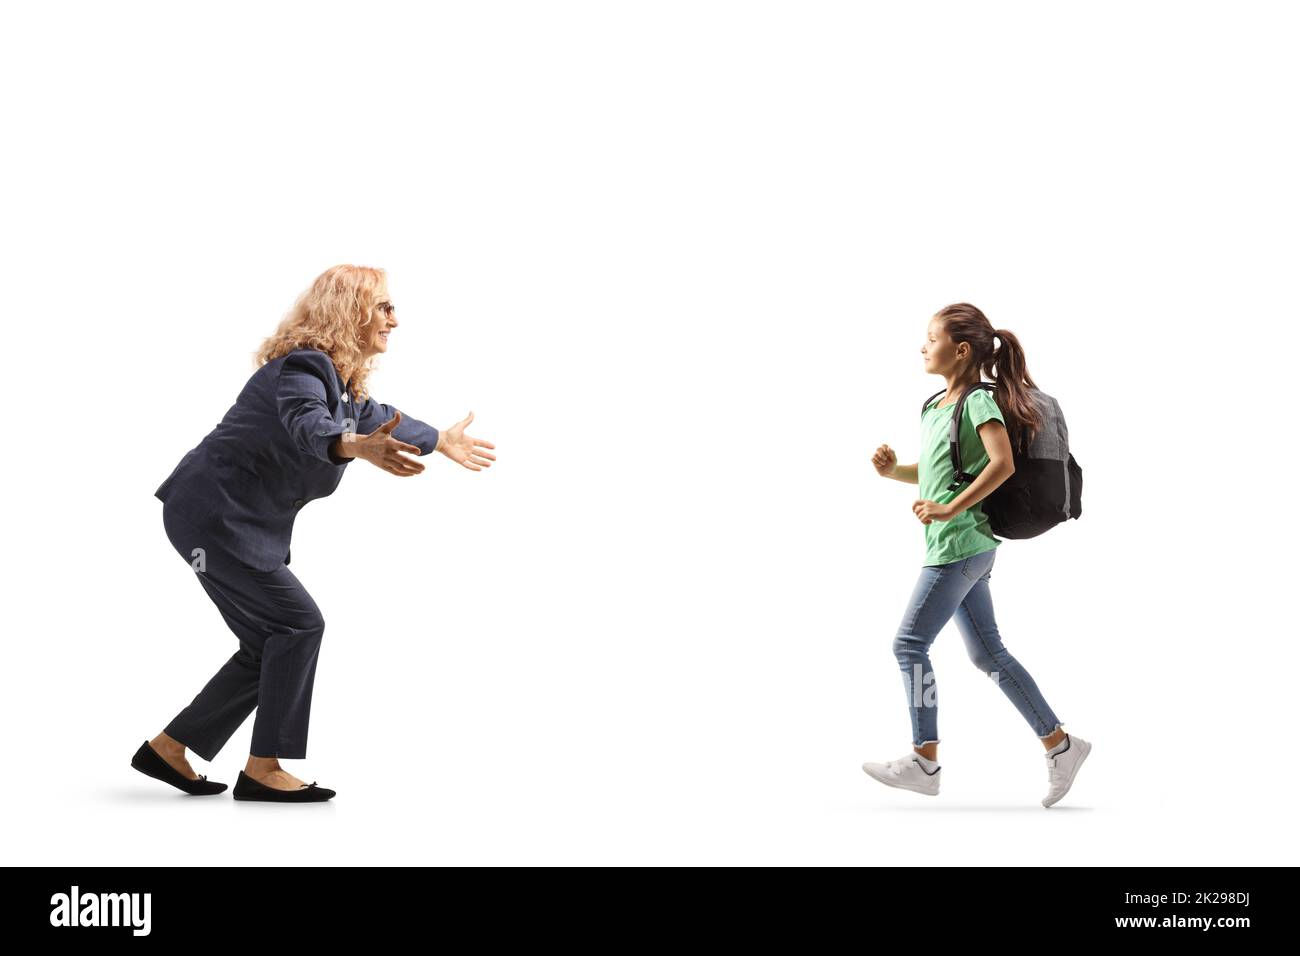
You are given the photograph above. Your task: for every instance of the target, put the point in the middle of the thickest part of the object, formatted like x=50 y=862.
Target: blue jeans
x=961 y=588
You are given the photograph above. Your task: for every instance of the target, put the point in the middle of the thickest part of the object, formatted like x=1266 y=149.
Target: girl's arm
x=1001 y=466
x=906 y=473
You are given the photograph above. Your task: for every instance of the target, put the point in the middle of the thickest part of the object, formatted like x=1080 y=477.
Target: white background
x=678 y=258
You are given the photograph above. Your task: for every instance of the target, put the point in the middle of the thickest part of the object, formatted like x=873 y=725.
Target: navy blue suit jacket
x=246 y=481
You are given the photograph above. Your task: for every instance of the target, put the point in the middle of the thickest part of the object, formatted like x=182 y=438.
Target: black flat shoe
x=246 y=788
x=149 y=762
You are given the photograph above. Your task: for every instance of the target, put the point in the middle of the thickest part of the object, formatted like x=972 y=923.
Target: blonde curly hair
x=336 y=315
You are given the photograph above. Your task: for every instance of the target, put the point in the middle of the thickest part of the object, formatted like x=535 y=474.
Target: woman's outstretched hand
x=462 y=448
x=381 y=449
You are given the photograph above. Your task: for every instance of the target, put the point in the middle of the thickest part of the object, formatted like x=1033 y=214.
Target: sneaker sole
x=901 y=786
x=1069 y=782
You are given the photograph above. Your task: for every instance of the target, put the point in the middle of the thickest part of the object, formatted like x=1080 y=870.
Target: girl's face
x=382 y=322
x=941 y=355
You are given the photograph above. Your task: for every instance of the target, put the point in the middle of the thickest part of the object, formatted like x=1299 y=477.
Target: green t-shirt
x=968 y=533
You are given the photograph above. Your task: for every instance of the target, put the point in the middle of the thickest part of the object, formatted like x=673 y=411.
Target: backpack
x=1047 y=484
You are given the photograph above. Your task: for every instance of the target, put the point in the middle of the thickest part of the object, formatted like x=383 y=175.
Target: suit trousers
x=279 y=628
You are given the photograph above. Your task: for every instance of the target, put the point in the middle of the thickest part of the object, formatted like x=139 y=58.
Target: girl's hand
x=928 y=511
x=462 y=448
x=885 y=461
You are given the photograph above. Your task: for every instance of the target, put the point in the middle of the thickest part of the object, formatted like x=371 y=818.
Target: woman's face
x=382 y=322
x=942 y=355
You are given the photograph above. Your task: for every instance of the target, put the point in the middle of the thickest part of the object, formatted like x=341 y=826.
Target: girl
x=229 y=508
x=960 y=547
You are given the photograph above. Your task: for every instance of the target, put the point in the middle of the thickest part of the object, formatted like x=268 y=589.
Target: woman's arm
x=411 y=430
x=300 y=397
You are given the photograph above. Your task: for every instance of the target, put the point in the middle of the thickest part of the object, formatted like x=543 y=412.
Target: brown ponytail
x=1003 y=362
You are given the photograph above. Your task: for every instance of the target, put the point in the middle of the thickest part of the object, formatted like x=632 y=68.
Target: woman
x=960 y=547
x=229 y=508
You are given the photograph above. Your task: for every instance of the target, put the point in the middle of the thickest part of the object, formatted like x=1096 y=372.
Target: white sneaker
x=905 y=773
x=1062 y=766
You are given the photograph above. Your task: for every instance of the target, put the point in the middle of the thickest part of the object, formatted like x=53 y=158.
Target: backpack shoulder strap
x=926 y=404
x=954 y=436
